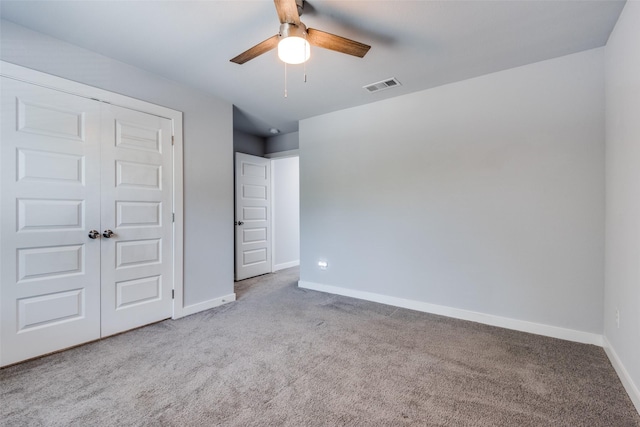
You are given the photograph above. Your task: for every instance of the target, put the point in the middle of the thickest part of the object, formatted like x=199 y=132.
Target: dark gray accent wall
x=284 y=142
x=248 y=144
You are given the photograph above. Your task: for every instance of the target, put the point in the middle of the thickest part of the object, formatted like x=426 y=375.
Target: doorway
x=267 y=221
x=285 y=173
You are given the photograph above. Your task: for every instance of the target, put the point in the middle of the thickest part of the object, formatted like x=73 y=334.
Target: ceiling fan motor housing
x=293 y=30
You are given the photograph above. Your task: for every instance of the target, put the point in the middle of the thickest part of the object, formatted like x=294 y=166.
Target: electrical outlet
x=618 y=318
x=322 y=264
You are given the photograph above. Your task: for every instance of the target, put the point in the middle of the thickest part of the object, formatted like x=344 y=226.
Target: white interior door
x=70 y=166
x=137 y=278
x=253 y=216
x=50 y=186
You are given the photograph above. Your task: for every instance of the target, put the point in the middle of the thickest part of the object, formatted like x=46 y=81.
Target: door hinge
x=173 y=139
x=173 y=217
x=173 y=294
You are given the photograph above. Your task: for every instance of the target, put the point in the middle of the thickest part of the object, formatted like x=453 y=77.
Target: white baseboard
x=627 y=381
x=284 y=265
x=206 y=305
x=487 y=319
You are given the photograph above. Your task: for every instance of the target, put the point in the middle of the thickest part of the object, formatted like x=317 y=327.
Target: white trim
x=487 y=319
x=286 y=265
x=272 y=187
x=282 y=154
x=178 y=224
x=61 y=84
x=625 y=378
x=206 y=305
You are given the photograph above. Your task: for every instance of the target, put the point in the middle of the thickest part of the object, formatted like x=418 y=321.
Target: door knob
x=240 y=222
x=107 y=234
x=94 y=234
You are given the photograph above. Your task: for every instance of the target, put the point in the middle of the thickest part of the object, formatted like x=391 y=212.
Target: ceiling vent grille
x=382 y=85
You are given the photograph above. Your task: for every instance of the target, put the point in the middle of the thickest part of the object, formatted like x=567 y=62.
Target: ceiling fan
x=294 y=38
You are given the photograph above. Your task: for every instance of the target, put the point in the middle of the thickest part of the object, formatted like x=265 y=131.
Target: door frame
x=60 y=84
x=273 y=157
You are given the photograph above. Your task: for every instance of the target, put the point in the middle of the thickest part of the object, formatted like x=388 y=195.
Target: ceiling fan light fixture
x=293 y=47
x=294 y=50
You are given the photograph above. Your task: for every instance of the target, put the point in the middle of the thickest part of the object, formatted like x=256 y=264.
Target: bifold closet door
x=137 y=205
x=50 y=187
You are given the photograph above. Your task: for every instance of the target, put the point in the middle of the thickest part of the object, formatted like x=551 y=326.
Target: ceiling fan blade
x=287 y=11
x=337 y=43
x=257 y=50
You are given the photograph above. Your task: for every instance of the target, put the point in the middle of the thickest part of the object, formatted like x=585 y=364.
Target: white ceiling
x=421 y=43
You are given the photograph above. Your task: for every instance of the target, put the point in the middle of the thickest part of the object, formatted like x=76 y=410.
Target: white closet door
x=137 y=199
x=70 y=165
x=50 y=187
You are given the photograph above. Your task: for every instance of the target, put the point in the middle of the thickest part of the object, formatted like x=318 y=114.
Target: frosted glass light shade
x=294 y=50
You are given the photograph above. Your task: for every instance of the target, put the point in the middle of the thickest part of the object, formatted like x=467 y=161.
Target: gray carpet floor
x=283 y=356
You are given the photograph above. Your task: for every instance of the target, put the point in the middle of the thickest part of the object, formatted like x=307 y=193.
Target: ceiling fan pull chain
x=285 y=80
x=304 y=64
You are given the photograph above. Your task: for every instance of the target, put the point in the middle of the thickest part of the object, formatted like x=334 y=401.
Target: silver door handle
x=94 y=234
x=107 y=234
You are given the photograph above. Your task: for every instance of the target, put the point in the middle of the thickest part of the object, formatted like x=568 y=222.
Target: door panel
x=49 y=214
x=50 y=167
x=49 y=310
x=138 y=214
x=253 y=216
x=49 y=267
x=137 y=206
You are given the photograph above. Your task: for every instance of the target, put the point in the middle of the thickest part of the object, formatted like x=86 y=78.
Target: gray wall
x=208 y=139
x=484 y=195
x=284 y=142
x=248 y=144
x=622 y=289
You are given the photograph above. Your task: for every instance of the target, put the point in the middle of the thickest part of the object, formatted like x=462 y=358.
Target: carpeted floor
x=283 y=356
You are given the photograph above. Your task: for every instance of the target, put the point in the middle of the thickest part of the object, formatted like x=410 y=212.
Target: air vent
x=382 y=85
